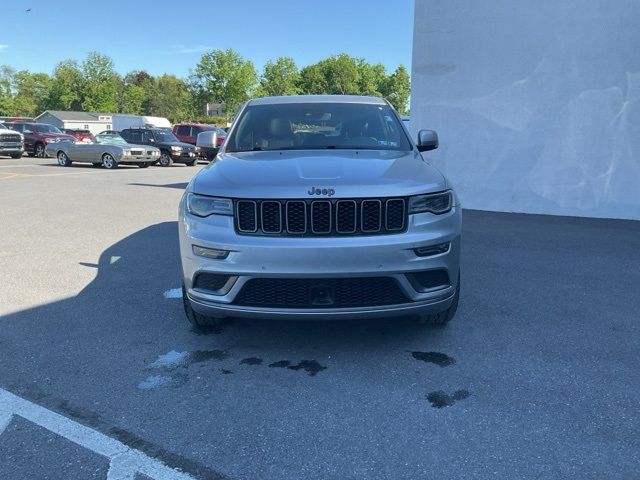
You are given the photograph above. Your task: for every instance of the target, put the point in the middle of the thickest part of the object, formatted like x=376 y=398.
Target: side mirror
x=427 y=140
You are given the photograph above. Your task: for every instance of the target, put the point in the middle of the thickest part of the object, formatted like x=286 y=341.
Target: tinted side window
x=17 y=127
x=147 y=137
x=195 y=131
x=183 y=130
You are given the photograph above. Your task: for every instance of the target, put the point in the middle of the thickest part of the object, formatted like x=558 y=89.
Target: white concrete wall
x=537 y=103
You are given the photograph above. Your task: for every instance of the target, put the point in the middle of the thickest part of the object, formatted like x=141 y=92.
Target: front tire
x=109 y=162
x=143 y=165
x=196 y=319
x=191 y=164
x=16 y=155
x=38 y=150
x=444 y=317
x=165 y=160
x=63 y=159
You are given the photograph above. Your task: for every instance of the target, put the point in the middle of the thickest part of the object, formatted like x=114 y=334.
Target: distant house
x=213 y=110
x=94 y=122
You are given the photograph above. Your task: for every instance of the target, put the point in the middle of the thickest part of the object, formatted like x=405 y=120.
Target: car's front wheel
x=165 y=160
x=144 y=165
x=16 y=155
x=38 y=151
x=196 y=319
x=444 y=317
x=192 y=163
x=63 y=159
x=109 y=162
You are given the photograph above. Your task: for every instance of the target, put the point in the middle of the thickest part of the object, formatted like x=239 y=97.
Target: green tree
x=370 y=77
x=6 y=90
x=24 y=93
x=225 y=77
x=313 y=80
x=341 y=72
x=67 y=87
x=171 y=98
x=279 y=78
x=397 y=89
x=131 y=99
x=101 y=84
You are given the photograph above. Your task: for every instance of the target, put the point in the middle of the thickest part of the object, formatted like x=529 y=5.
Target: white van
x=121 y=121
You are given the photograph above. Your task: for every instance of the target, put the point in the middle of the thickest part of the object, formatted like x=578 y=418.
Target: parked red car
x=38 y=135
x=80 y=135
x=188 y=132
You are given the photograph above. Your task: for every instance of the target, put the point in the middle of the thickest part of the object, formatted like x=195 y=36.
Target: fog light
x=432 y=250
x=210 y=252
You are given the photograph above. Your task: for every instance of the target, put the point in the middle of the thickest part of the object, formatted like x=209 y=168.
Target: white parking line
x=124 y=462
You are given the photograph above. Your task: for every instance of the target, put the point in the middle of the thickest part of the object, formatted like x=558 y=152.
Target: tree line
x=221 y=76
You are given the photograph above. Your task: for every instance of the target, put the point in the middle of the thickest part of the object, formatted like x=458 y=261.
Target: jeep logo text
x=321 y=191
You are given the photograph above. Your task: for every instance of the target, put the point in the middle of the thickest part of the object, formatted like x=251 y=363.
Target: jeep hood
x=291 y=174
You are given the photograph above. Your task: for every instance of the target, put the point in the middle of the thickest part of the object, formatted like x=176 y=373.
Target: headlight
x=176 y=149
x=51 y=140
x=126 y=153
x=202 y=206
x=437 y=203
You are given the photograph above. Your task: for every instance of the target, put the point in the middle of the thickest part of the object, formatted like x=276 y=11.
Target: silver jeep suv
x=320 y=207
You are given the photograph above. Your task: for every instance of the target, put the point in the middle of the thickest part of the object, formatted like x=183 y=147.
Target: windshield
x=111 y=139
x=304 y=126
x=44 y=128
x=164 y=136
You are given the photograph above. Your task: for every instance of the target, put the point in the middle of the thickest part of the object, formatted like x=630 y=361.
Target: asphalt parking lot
x=536 y=378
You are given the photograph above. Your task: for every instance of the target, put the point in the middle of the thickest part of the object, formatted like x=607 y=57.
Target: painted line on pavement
x=124 y=462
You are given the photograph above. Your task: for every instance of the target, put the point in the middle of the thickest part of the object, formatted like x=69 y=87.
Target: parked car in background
x=188 y=133
x=80 y=135
x=107 y=151
x=109 y=132
x=171 y=149
x=11 y=142
x=38 y=135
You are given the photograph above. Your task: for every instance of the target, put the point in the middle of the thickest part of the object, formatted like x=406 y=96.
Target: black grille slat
x=321 y=217
x=346 y=216
x=326 y=217
x=371 y=212
x=296 y=212
x=298 y=292
x=271 y=220
x=394 y=215
x=247 y=216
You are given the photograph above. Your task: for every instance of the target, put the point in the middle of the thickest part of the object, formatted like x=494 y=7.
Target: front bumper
x=11 y=148
x=184 y=157
x=135 y=159
x=253 y=257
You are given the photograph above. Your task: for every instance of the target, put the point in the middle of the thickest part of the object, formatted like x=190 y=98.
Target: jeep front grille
x=336 y=217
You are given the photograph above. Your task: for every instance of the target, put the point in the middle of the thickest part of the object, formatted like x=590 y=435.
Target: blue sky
x=160 y=36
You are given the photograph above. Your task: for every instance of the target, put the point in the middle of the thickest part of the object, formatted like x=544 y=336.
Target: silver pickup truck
x=11 y=142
